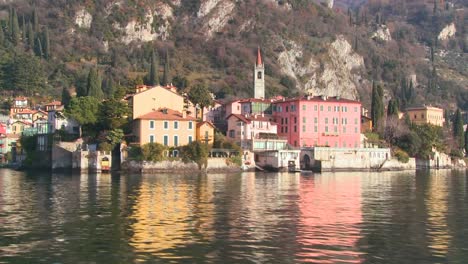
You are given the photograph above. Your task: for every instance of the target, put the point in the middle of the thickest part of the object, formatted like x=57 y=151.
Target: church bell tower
x=259 y=77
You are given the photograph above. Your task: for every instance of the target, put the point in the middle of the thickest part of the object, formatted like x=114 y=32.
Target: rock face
x=156 y=25
x=382 y=33
x=328 y=3
x=330 y=75
x=83 y=19
x=447 y=32
x=215 y=14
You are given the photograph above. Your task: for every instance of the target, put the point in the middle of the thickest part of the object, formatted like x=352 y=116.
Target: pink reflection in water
x=330 y=208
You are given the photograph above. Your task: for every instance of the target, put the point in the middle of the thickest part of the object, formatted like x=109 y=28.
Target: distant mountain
x=307 y=47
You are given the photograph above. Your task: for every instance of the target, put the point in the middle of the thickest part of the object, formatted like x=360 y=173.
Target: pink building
x=319 y=121
x=243 y=128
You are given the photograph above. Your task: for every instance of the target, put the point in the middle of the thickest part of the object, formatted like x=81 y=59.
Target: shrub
x=153 y=152
x=196 y=152
x=402 y=156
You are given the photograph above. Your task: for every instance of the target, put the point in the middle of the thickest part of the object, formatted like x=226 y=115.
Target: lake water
x=359 y=217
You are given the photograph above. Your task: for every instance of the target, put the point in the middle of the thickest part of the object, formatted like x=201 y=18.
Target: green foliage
x=46 y=44
x=421 y=139
x=15 y=29
x=83 y=109
x=401 y=156
x=66 y=97
x=115 y=136
x=27 y=74
x=153 y=152
x=167 y=74
x=30 y=37
x=393 y=108
x=153 y=78
x=196 y=152
x=377 y=107
x=94 y=83
x=113 y=114
x=105 y=146
x=466 y=140
x=457 y=130
x=201 y=96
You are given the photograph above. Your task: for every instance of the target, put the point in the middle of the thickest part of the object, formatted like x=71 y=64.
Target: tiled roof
x=205 y=122
x=165 y=114
x=54 y=103
x=319 y=99
x=248 y=119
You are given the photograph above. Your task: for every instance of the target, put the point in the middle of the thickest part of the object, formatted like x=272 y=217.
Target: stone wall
x=214 y=165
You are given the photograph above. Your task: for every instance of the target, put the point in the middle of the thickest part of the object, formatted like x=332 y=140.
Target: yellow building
x=165 y=126
x=205 y=132
x=18 y=127
x=150 y=99
x=39 y=115
x=426 y=115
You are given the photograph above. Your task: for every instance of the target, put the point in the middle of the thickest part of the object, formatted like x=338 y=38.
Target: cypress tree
x=35 y=20
x=15 y=29
x=30 y=37
x=458 y=134
x=166 y=76
x=377 y=107
x=2 y=36
x=10 y=21
x=38 y=48
x=392 y=109
x=66 y=97
x=108 y=87
x=46 y=44
x=154 y=68
x=466 y=140
x=23 y=29
x=94 y=84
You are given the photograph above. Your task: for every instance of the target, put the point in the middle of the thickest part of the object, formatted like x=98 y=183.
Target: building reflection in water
x=170 y=212
x=437 y=209
x=330 y=215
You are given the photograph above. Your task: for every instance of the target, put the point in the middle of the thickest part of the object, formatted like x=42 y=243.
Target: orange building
x=205 y=132
x=426 y=115
x=165 y=126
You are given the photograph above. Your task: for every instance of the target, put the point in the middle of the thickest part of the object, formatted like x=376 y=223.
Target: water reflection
x=328 y=227
x=234 y=218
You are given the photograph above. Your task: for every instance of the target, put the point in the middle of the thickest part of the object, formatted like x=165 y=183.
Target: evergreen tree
x=166 y=76
x=466 y=141
x=23 y=29
x=458 y=133
x=46 y=44
x=377 y=107
x=15 y=29
x=38 y=48
x=30 y=37
x=93 y=87
x=108 y=87
x=200 y=96
x=2 y=37
x=392 y=109
x=66 y=97
x=154 y=68
x=35 y=20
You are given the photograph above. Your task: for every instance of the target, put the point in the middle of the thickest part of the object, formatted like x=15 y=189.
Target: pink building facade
x=244 y=128
x=319 y=121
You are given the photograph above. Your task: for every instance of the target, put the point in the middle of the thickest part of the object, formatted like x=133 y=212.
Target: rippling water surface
x=234 y=218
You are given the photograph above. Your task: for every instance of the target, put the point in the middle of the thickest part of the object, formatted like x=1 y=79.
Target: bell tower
x=259 y=77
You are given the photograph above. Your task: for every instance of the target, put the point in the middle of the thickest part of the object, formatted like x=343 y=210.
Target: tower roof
x=259 y=57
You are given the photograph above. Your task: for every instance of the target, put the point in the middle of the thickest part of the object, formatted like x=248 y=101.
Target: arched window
x=259 y=75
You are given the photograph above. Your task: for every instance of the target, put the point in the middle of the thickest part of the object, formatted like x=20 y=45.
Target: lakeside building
x=165 y=126
x=243 y=128
x=426 y=115
x=205 y=132
x=149 y=99
x=319 y=121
